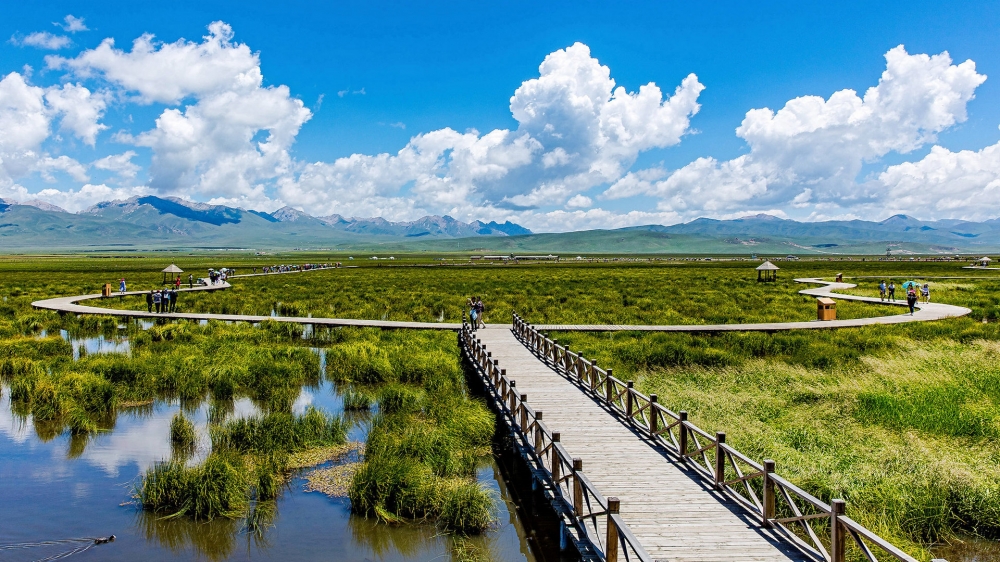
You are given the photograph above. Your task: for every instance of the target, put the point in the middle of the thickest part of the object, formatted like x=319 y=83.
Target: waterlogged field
x=204 y=437
x=903 y=421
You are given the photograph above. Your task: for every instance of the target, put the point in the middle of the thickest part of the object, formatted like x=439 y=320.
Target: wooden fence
x=820 y=530
x=594 y=519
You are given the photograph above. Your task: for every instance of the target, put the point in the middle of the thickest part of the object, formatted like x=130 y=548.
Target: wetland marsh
x=901 y=420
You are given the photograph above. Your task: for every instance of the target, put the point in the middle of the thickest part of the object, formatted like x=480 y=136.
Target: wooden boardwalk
x=673 y=515
x=924 y=313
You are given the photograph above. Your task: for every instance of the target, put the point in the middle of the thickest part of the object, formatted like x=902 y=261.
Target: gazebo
x=767 y=272
x=171 y=269
x=984 y=261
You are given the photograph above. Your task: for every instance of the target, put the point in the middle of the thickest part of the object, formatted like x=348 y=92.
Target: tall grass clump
x=422 y=452
x=356 y=400
x=182 y=434
x=248 y=465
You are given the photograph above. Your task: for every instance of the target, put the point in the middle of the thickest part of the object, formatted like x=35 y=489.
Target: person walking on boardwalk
x=911 y=297
x=149 y=301
x=473 y=313
x=480 y=312
x=177 y=282
x=925 y=291
x=173 y=299
x=157 y=301
x=190 y=281
x=121 y=286
x=892 y=291
x=881 y=290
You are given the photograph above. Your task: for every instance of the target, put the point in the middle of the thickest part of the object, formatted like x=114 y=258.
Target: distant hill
x=165 y=222
x=158 y=222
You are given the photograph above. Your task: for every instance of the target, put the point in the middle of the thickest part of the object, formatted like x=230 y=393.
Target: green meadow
x=902 y=421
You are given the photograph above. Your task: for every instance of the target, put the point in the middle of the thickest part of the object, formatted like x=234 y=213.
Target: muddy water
x=65 y=487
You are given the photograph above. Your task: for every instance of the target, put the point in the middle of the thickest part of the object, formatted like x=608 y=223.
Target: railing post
x=524 y=413
x=611 y=545
x=654 y=419
x=720 y=460
x=513 y=397
x=837 y=508
x=768 y=503
x=628 y=399
x=503 y=385
x=682 y=441
x=593 y=374
x=538 y=433
x=609 y=389
x=577 y=487
x=556 y=461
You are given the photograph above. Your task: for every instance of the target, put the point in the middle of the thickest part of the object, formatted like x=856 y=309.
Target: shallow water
x=92 y=345
x=70 y=487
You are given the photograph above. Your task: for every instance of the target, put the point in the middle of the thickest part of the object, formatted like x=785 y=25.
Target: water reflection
x=92 y=345
x=59 y=485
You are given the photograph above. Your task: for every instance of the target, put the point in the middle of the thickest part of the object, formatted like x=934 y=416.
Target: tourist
x=157 y=301
x=190 y=281
x=892 y=291
x=926 y=292
x=473 y=314
x=480 y=312
x=121 y=286
x=911 y=297
x=881 y=290
x=149 y=301
x=177 y=282
x=173 y=300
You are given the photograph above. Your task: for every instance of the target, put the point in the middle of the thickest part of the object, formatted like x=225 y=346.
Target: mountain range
x=170 y=223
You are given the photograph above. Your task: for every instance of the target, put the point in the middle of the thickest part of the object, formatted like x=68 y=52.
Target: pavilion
x=171 y=269
x=767 y=272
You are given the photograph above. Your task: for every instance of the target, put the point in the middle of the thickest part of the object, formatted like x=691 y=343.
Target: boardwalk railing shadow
x=822 y=531
x=593 y=520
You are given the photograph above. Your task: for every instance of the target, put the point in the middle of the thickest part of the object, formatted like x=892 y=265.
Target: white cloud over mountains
x=221 y=135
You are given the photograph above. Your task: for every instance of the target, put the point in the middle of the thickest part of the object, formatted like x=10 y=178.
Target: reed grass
x=182 y=433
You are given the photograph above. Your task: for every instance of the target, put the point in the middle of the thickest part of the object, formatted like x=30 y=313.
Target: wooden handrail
x=648 y=414
x=584 y=504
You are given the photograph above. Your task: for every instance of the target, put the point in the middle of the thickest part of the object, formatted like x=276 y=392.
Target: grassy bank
x=902 y=423
x=428 y=437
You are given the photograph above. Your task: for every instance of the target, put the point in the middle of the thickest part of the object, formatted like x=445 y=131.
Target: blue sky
x=366 y=79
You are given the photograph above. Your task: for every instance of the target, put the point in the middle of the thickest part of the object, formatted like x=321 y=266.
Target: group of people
x=304 y=267
x=163 y=300
x=888 y=293
x=216 y=277
x=476 y=311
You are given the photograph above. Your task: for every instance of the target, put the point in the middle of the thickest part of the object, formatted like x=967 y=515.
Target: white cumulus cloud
x=820 y=144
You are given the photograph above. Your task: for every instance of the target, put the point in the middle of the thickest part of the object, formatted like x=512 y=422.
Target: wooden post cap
x=768 y=465
x=838 y=506
x=614 y=504
x=538 y=415
x=524 y=398
x=720 y=436
x=577 y=463
x=630 y=384
x=683 y=415
x=513 y=384
x=653 y=398
x=503 y=372
x=556 y=436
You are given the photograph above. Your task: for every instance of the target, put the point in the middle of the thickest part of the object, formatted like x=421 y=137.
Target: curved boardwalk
x=925 y=312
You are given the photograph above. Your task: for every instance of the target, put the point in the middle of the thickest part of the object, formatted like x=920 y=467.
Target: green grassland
x=903 y=421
